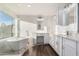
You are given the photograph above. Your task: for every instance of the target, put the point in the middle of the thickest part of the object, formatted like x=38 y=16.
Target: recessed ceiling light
x=29 y=5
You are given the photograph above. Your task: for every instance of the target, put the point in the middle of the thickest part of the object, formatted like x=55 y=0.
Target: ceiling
x=30 y=14
x=47 y=9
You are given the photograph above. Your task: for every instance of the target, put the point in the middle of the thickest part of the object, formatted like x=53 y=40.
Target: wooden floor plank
x=40 y=50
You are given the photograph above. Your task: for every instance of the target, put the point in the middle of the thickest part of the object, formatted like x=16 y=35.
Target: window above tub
x=6 y=25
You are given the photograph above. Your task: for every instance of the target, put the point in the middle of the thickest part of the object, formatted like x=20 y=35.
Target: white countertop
x=41 y=31
x=75 y=38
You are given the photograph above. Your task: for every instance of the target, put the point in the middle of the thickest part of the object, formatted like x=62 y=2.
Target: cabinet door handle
x=56 y=42
x=63 y=47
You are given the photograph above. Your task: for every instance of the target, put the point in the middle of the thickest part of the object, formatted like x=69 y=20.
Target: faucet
x=67 y=33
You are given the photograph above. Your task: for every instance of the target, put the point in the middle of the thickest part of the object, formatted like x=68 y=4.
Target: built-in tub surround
x=10 y=45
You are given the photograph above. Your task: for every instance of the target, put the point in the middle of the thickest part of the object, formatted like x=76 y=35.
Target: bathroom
x=47 y=24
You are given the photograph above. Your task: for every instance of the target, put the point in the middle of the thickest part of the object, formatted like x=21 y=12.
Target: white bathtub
x=13 y=44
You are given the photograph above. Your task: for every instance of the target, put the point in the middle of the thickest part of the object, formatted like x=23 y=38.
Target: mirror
x=70 y=16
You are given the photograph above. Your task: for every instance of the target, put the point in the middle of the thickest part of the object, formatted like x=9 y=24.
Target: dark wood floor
x=40 y=50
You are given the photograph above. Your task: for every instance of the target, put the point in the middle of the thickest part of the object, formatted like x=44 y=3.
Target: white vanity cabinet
x=69 y=47
x=58 y=45
x=59 y=49
x=77 y=48
x=65 y=46
x=52 y=42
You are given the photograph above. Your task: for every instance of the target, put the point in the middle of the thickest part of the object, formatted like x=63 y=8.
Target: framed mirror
x=70 y=16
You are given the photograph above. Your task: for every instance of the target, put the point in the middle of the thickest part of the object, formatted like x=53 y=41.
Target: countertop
x=41 y=31
x=75 y=38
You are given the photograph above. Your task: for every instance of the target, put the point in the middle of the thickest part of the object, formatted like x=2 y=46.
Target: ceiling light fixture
x=40 y=18
x=29 y=5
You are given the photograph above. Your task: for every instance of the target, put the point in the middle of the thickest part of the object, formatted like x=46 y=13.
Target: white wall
x=27 y=29
x=50 y=23
x=51 y=26
x=16 y=27
x=72 y=27
x=60 y=29
x=24 y=28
